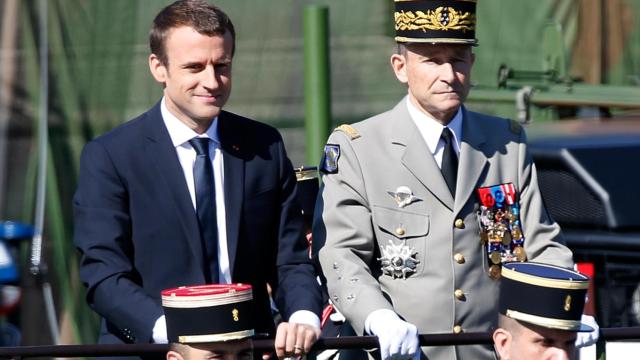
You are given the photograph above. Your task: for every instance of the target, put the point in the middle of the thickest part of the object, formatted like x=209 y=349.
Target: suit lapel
x=472 y=159
x=162 y=154
x=417 y=157
x=232 y=148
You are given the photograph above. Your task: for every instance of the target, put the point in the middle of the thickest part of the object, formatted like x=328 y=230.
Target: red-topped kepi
x=208 y=313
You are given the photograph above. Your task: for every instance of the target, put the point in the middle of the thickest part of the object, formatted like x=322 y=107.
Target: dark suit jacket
x=137 y=231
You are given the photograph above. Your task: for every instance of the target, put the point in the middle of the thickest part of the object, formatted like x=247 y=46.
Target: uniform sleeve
x=103 y=237
x=343 y=226
x=543 y=238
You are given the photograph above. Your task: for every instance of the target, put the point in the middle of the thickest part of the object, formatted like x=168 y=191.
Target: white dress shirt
x=431 y=130
x=180 y=135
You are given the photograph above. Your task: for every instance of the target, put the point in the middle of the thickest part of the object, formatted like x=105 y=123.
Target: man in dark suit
x=187 y=193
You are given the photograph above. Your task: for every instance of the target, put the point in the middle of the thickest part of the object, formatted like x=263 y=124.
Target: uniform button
x=459 y=294
x=459 y=258
x=400 y=231
x=457 y=329
x=459 y=224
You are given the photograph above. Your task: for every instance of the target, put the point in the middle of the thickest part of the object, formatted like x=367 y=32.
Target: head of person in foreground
x=209 y=322
x=540 y=311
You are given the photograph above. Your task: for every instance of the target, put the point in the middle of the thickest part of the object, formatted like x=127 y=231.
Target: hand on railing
x=398 y=339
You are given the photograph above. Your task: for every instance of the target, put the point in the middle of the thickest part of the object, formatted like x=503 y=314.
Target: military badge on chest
x=403 y=196
x=500 y=227
x=398 y=260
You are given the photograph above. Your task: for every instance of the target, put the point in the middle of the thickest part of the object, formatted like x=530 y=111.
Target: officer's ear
x=174 y=355
x=178 y=351
x=502 y=343
x=399 y=65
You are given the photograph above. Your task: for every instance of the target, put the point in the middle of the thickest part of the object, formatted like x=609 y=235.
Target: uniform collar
x=431 y=129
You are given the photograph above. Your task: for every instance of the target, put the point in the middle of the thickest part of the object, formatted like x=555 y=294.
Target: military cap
x=435 y=21
x=543 y=295
x=307 y=190
x=208 y=313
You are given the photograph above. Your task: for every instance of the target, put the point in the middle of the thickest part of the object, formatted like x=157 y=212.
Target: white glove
x=159 y=333
x=398 y=339
x=588 y=338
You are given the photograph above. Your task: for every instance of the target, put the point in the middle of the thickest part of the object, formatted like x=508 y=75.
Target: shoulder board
x=349 y=130
x=515 y=127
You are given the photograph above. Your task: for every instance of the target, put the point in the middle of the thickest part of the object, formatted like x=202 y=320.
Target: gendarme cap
x=208 y=313
x=543 y=295
x=436 y=21
x=307 y=189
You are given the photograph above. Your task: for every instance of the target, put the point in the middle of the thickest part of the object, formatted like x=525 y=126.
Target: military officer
x=421 y=205
x=540 y=312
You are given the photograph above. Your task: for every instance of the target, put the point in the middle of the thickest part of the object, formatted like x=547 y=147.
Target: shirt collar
x=431 y=129
x=181 y=133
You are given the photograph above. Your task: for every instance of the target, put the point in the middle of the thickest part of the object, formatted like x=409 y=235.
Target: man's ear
x=399 y=66
x=502 y=343
x=174 y=355
x=157 y=68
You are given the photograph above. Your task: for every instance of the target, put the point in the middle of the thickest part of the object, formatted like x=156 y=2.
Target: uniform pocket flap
x=399 y=223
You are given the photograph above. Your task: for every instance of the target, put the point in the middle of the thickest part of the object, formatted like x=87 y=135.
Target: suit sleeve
x=342 y=222
x=103 y=237
x=543 y=238
x=297 y=286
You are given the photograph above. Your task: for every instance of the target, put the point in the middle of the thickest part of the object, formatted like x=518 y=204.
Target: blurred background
x=537 y=61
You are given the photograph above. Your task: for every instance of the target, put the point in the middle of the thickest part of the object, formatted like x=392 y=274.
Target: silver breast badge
x=398 y=261
x=403 y=196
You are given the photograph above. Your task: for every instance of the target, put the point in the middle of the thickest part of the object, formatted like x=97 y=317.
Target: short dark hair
x=179 y=348
x=203 y=17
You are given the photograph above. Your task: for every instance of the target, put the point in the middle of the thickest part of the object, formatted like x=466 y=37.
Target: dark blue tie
x=449 y=166
x=206 y=207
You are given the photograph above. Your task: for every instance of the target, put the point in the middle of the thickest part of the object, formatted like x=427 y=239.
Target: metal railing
x=347 y=342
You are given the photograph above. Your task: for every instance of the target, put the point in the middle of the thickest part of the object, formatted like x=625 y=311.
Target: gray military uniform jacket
x=356 y=217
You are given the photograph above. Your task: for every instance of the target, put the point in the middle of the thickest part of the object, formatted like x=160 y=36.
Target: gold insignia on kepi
x=567 y=303
x=442 y=18
x=435 y=21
